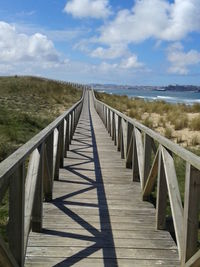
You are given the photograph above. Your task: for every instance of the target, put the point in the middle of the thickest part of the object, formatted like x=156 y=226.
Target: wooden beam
x=191 y=212
x=151 y=178
x=6 y=257
x=161 y=201
x=194 y=261
x=140 y=155
x=16 y=215
x=174 y=196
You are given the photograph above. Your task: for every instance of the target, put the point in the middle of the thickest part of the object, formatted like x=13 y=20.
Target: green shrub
x=195 y=123
x=168 y=133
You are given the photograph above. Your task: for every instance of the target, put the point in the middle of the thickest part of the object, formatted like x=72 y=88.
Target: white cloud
x=180 y=60
x=88 y=8
x=131 y=63
x=19 y=47
x=112 y=52
x=157 y=19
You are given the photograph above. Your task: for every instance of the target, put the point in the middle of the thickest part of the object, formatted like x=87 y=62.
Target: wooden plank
x=161 y=201
x=194 y=261
x=30 y=187
x=140 y=155
x=147 y=157
x=37 y=210
x=174 y=197
x=6 y=257
x=16 y=216
x=191 y=212
x=152 y=177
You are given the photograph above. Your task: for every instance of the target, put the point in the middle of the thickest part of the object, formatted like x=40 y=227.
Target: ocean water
x=186 y=97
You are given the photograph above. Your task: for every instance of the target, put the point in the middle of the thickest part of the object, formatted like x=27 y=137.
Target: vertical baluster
x=37 y=212
x=147 y=156
x=48 y=168
x=16 y=214
x=135 y=167
x=119 y=133
x=67 y=136
x=191 y=212
x=129 y=151
x=161 y=203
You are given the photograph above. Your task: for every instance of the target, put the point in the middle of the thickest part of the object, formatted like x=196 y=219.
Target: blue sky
x=141 y=42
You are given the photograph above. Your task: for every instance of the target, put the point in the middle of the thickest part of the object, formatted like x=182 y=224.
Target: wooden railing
x=27 y=175
x=138 y=145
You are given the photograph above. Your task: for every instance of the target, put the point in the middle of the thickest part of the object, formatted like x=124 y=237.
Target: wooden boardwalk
x=97 y=216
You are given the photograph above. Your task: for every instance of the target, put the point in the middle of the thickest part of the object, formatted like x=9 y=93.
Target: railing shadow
x=102 y=237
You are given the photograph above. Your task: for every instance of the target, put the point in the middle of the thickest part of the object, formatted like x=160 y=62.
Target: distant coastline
x=187 y=94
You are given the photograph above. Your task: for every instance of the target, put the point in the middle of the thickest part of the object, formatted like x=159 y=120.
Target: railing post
x=119 y=133
x=16 y=214
x=147 y=157
x=37 y=211
x=48 y=168
x=129 y=150
x=135 y=167
x=67 y=136
x=161 y=203
x=191 y=212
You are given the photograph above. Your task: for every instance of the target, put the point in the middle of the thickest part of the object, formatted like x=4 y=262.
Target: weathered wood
x=30 y=187
x=191 y=212
x=140 y=155
x=161 y=201
x=129 y=150
x=151 y=178
x=37 y=211
x=98 y=214
x=55 y=160
x=16 y=215
x=135 y=167
x=48 y=169
x=194 y=261
x=6 y=257
x=147 y=156
x=174 y=197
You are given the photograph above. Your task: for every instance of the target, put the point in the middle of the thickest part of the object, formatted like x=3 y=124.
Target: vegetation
x=168 y=119
x=27 y=105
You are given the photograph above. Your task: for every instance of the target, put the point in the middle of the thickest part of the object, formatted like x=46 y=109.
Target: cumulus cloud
x=18 y=47
x=88 y=8
x=112 y=52
x=157 y=19
x=131 y=63
x=180 y=60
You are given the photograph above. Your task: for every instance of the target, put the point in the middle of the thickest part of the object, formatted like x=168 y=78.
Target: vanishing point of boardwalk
x=97 y=217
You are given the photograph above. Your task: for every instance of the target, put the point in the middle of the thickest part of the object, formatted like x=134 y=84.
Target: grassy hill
x=27 y=105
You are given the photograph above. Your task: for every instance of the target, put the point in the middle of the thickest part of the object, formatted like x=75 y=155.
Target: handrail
x=137 y=144
x=29 y=185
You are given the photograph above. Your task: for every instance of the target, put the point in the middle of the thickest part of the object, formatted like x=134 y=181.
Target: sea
x=186 y=97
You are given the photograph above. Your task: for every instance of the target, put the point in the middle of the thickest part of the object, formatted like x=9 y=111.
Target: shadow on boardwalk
x=103 y=238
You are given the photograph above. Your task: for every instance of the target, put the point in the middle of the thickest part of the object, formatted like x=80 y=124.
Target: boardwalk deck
x=97 y=216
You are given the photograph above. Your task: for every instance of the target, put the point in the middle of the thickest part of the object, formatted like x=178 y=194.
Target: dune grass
x=173 y=117
x=27 y=105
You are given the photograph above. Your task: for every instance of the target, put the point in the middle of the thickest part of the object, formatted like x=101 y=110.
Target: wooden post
x=161 y=203
x=48 y=168
x=37 y=211
x=136 y=176
x=119 y=133
x=61 y=143
x=147 y=156
x=129 y=148
x=67 y=135
x=16 y=214
x=191 y=212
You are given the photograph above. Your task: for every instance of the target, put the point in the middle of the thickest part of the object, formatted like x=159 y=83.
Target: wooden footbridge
x=78 y=195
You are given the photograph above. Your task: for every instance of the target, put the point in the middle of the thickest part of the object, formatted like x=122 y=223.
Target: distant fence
x=28 y=174
x=138 y=144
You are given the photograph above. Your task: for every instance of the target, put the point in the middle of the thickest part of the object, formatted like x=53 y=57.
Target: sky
x=141 y=42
